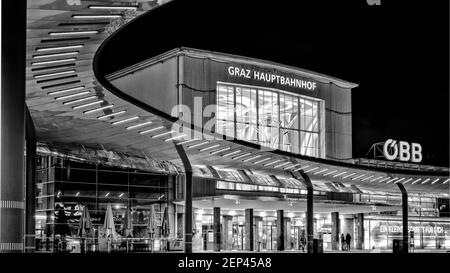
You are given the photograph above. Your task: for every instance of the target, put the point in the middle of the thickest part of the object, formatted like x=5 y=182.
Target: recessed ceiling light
x=262 y=160
x=175 y=137
x=55 y=55
x=163 y=134
x=84 y=32
x=54 y=61
x=231 y=153
x=79 y=100
x=55 y=48
x=87 y=104
x=99 y=7
x=72 y=95
x=151 y=130
x=99 y=16
x=113 y=114
x=220 y=150
x=251 y=158
x=187 y=141
x=39 y=76
x=124 y=120
x=98 y=109
x=65 y=90
x=139 y=125
x=241 y=156
x=210 y=147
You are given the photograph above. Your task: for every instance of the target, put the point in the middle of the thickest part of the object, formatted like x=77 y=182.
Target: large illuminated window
x=270 y=118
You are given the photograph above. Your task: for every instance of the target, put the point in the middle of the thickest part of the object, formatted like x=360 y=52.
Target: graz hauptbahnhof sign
x=269 y=77
x=402 y=150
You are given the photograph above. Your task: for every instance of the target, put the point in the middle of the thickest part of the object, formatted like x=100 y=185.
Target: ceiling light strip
x=187 y=141
x=209 y=148
x=220 y=150
x=232 y=153
x=54 y=61
x=404 y=182
x=163 y=134
x=83 y=32
x=65 y=90
x=151 y=130
x=251 y=158
x=290 y=167
x=113 y=114
x=100 y=7
x=348 y=175
x=367 y=178
x=39 y=76
x=327 y=174
x=282 y=164
x=321 y=171
x=55 y=55
x=339 y=174
x=198 y=144
x=426 y=180
x=79 y=100
x=378 y=178
x=55 y=48
x=87 y=105
x=125 y=120
x=261 y=160
x=273 y=162
x=139 y=125
x=384 y=179
x=87 y=112
x=175 y=137
x=98 y=16
x=435 y=181
x=392 y=180
x=72 y=95
x=415 y=181
x=241 y=156
x=313 y=169
x=358 y=176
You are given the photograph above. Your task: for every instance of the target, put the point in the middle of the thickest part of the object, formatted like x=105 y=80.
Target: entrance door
x=269 y=238
x=237 y=237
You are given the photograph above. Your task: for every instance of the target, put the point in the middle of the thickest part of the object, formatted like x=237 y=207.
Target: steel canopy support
x=309 y=209
x=187 y=198
x=404 y=216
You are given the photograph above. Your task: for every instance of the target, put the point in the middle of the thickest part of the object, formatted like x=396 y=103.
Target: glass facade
x=64 y=188
x=380 y=233
x=273 y=119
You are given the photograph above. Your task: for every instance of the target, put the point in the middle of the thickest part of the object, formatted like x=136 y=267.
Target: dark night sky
x=397 y=52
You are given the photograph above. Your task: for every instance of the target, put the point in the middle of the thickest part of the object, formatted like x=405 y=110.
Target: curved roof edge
x=233 y=58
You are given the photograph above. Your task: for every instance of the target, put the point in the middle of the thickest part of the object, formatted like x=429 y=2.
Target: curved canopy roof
x=72 y=103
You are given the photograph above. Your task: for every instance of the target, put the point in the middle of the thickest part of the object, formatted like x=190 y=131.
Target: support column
x=216 y=228
x=335 y=230
x=12 y=125
x=309 y=209
x=187 y=199
x=249 y=236
x=359 y=226
x=280 y=229
x=30 y=198
x=404 y=217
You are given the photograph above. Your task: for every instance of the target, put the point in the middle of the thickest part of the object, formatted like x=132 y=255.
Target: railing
x=83 y=245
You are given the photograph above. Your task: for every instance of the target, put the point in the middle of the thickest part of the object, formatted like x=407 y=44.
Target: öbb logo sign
x=402 y=151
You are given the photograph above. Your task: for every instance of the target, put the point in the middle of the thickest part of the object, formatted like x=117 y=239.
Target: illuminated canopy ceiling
x=69 y=105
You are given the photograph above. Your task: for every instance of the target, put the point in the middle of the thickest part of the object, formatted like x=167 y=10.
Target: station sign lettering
x=402 y=150
x=271 y=77
x=425 y=229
